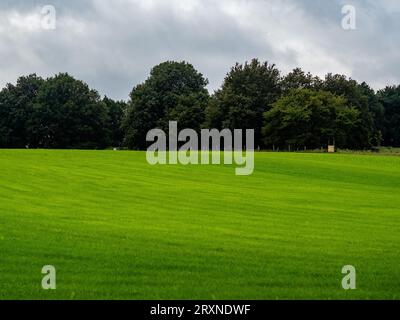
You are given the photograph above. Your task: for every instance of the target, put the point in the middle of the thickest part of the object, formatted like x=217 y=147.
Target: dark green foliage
x=116 y=111
x=60 y=112
x=390 y=99
x=297 y=110
x=247 y=92
x=306 y=118
x=377 y=111
x=358 y=96
x=175 y=91
x=68 y=115
x=298 y=79
x=17 y=106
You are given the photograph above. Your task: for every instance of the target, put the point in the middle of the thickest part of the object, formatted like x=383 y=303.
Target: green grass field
x=117 y=228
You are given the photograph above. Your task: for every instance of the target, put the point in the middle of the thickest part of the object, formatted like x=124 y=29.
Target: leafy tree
x=62 y=112
x=189 y=111
x=298 y=79
x=306 y=118
x=174 y=91
x=5 y=118
x=377 y=111
x=67 y=114
x=16 y=108
x=5 y=121
x=247 y=92
x=115 y=110
x=357 y=96
x=390 y=99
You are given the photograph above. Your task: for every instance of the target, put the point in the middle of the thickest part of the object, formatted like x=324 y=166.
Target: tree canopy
x=247 y=92
x=174 y=91
x=307 y=118
x=390 y=100
x=59 y=112
x=297 y=110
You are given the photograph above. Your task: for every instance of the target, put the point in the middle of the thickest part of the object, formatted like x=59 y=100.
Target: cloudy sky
x=112 y=45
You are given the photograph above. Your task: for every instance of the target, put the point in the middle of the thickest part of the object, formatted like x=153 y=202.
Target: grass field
x=117 y=228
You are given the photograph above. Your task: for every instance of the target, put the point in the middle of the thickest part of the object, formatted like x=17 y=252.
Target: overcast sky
x=112 y=45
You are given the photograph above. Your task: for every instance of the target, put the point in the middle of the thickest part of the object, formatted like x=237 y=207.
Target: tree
x=390 y=99
x=377 y=111
x=306 y=118
x=175 y=91
x=115 y=111
x=247 y=92
x=67 y=114
x=16 y=108
x=298 y=79
x=5 y=119
x=357 y=96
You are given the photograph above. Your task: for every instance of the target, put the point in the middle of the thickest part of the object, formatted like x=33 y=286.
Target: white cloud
x=113 y=44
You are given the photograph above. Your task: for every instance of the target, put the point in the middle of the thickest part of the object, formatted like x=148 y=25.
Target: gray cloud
x=112 y=45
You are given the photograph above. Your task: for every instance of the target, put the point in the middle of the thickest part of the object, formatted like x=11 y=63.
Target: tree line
x=288 y=112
